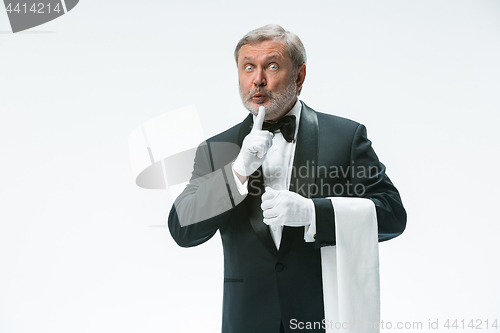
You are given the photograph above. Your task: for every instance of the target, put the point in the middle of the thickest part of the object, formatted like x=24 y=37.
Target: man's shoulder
x=326 y=120
x=337 y=119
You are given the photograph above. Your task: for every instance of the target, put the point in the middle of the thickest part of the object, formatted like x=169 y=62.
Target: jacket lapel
x=305 y=160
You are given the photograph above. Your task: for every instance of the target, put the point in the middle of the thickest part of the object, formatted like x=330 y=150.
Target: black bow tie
x=286 y=125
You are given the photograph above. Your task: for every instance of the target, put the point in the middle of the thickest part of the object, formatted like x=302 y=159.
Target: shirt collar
x=295 y=111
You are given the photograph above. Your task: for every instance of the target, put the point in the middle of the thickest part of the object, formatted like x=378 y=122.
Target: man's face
x=267 y=78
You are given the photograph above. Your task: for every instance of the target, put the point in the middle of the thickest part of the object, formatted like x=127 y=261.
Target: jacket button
x=279 y=267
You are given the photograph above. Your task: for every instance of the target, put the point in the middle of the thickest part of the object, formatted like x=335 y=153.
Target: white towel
x=351 y=283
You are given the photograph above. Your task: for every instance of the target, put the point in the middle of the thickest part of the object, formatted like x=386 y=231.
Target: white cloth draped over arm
x=351 y=284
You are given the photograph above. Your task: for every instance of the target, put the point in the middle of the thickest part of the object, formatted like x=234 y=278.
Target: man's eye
x=273 y=67
x=249 y=68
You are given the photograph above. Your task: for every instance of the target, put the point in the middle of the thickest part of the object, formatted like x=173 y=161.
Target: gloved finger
x=262 y=149
x=261 y=152
x=274 y=221
x=271 y=213
x=264 y=137
x=267 y=204
x=269 y=139
x=269 y=194
x=254 y=149
x=271 y=221
x=271 y=202
x=259 y=120
x=260 y=145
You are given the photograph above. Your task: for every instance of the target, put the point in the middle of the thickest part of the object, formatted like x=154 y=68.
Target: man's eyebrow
x=271 y=57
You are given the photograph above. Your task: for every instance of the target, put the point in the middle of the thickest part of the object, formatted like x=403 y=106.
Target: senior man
x=269 y=197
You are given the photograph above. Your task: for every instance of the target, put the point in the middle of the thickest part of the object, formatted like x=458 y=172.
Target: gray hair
x=293 y=44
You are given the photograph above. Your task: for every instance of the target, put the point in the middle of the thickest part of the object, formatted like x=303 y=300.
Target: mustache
x=260 y=91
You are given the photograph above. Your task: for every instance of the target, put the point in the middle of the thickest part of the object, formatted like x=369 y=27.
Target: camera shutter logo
x=26 y=14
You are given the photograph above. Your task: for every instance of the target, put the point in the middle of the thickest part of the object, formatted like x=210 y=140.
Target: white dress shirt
x=277 y=170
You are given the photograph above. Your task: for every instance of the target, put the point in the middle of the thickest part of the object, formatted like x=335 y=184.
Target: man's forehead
x=267 y=48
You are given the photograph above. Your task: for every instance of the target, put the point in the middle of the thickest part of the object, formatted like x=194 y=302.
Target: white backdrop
x=82 y=249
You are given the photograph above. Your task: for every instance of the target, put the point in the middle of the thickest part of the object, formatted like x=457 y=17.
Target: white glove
x=286 y=208
x=254 y=148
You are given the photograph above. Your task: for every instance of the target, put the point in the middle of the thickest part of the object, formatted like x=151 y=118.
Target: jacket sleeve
x=206 y=203
x=367 y=179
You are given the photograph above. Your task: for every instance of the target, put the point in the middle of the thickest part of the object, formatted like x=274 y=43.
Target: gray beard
x=277 y=103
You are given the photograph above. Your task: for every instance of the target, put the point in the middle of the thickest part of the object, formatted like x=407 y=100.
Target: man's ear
x=301 y=75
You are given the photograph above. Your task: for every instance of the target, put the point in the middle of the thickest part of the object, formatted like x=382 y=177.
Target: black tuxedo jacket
x=262 y=285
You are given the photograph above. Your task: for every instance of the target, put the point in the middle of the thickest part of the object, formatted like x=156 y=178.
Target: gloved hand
x=254 y=148
x=286 y=208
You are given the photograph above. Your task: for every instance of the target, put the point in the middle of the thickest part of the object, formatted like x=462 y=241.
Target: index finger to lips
x=259 y=120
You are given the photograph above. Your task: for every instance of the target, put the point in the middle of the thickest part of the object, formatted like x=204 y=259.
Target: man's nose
x=259 y=79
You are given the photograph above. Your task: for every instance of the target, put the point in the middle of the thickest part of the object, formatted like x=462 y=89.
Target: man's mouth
x=258 y=97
